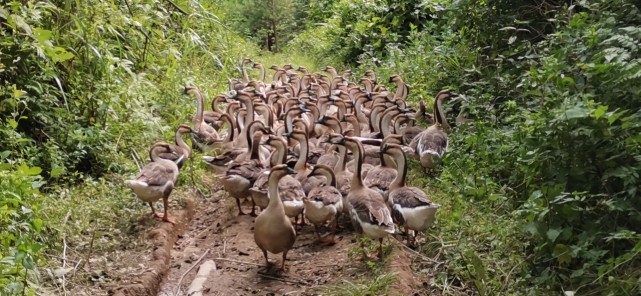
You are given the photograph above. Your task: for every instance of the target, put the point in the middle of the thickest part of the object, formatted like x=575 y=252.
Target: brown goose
x=380 y=177
x=205 y=136
x=411 y=207
x=324 y=203
x=180 y=151
x=368 y=210
x=402 y=90
x=301 y=166
x=430 y=145
x=240 y=176
x=156 y=180
x=291 y=191
x=273 y=231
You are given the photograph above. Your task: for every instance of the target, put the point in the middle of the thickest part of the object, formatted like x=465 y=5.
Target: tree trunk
x=275 y=36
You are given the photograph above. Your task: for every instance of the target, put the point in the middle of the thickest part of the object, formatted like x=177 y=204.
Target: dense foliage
x=269 y=23
x=83 y=84
x=540 y=194
x=555 y=147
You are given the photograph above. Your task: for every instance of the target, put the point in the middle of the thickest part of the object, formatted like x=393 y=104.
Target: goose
x=180 y=151
x=402 y=90
x=324 y=203
x=156 y=180
x=291 y=191
x=368 y=210
x=273 y=231
x=205 y=135
x=380 y=177
x=430 y=145
x=240 y=176
x=369 y=74
x=262 y=71
x=243 y=70
x=331 y=70
x=254 y=128
x=301 y=166
x=411 y=207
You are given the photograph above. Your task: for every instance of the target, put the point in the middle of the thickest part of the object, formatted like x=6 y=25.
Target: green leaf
x=562 y=254
x=37 y=224
x=553 y=234
x=57 y=172
x=17 y=93
x=576 y=112
x=29 y=171
x=12 y=123
x=42 y=35
x=599 y=111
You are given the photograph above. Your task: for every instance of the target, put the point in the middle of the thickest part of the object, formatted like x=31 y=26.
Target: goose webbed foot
x=240 y=209
x=165 y=216
x=253 y=212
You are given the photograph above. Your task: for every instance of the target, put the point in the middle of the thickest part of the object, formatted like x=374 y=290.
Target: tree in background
x=269 y=23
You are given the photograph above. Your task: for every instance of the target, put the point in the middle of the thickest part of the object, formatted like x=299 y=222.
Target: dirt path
x=216 y=233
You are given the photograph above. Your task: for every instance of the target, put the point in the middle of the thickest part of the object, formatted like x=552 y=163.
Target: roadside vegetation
x=540 y=194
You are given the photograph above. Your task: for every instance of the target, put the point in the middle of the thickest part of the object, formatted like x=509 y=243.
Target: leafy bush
x=554 y=91
x=83 y=86
x=22 y=226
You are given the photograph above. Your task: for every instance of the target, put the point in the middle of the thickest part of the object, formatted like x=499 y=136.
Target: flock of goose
x=309 y=147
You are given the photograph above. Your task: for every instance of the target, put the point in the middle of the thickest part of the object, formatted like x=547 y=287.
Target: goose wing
x=373 y=210
x=410 y=197
x=248 y=169
x=290 y=189
x=328 y=195
x=157 y=174
x=430 y=139
x=380 y=177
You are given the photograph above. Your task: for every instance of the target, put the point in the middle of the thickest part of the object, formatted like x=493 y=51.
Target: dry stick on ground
x=64 y=262
x=188 y=270
x=281 y=279
x=64 y=253
x=416 y=253
x=236 y=261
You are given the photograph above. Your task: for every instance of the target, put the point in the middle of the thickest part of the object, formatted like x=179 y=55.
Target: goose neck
x=181 y=143
x=301 y=163
x=329 y=175
x=401 y=169
x=357 y=150
x=275 y=203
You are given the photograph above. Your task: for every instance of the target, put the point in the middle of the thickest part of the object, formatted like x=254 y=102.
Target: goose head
x=280 y=171
x=395 y=78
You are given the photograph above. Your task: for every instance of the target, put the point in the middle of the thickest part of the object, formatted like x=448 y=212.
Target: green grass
x=480 y=246
x=375 y=285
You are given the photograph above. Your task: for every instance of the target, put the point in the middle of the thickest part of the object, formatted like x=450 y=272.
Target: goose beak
x=453 y=94
x=290 y=171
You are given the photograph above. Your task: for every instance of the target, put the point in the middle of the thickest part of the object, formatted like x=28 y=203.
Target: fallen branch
x=281 y=279
x=236 y=261
x=188 y=270
x=196 y=287
x=416 y=253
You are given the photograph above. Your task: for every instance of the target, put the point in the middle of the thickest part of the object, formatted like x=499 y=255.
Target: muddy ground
x=211 y=230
